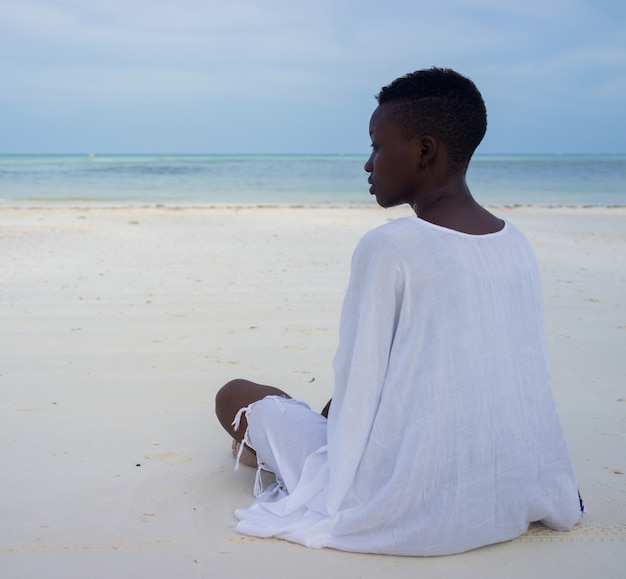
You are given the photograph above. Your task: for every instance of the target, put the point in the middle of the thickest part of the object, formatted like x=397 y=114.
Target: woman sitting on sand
x=442 y=434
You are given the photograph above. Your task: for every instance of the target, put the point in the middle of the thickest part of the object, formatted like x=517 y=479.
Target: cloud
x=317 y=59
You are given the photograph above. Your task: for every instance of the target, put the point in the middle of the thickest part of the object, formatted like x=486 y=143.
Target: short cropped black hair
x=444 y=103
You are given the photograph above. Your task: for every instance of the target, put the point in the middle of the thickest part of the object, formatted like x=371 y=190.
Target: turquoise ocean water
x=294 y=179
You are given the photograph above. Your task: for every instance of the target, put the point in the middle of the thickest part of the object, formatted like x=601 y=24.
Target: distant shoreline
x=87 y=205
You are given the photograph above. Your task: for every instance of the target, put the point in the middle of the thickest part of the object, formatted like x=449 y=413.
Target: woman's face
x=394 y=163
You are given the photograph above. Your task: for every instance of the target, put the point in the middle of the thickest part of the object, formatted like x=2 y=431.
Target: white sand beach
x=119 y=324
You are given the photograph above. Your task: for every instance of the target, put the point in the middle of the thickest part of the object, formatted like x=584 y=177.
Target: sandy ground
x=119 y=325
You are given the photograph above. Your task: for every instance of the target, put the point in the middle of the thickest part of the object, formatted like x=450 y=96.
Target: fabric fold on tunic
x=443 y=434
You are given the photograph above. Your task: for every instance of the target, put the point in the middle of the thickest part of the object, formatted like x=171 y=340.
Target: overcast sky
x=290 y=76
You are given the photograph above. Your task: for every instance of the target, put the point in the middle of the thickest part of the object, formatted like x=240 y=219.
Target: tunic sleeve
x=368 y=321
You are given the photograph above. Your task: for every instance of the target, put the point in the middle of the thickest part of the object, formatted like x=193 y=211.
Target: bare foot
x=247 y=457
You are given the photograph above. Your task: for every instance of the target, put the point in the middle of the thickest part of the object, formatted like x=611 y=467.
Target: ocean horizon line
x=295 y=155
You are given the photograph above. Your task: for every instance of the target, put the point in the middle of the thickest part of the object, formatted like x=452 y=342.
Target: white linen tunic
x=442 y=435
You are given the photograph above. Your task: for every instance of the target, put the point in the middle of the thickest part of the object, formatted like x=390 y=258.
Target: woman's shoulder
x=406 y=236
x=392 y=230
x=388 y=245
x=385 y=238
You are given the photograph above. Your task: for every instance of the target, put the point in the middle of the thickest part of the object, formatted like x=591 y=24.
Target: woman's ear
x=428 y=150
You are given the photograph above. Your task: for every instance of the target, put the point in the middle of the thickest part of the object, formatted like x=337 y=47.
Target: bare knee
x=225 y=393
x=226 y=402
x=238 y=394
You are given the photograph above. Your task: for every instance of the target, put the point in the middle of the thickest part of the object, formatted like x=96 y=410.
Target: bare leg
x=247 y=456
x=236 y=395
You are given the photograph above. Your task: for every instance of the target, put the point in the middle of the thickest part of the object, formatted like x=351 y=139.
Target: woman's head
x=443 y=103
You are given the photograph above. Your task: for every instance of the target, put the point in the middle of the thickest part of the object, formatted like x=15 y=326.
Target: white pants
x=283 y=432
